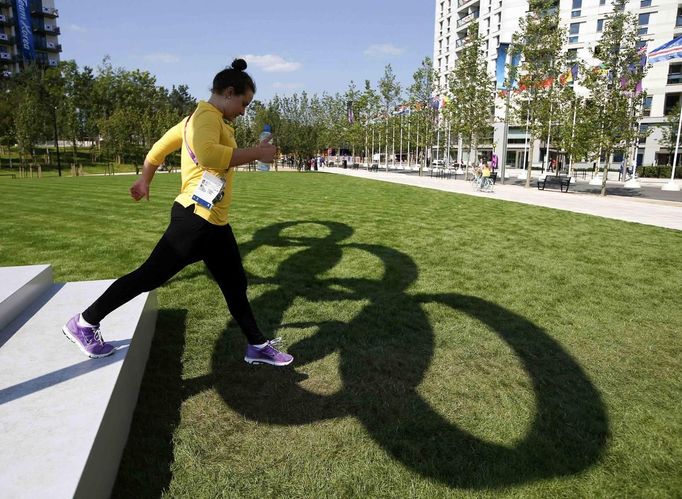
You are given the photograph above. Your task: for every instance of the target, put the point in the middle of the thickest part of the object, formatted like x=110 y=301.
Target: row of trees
x=121 y=113
x=118 y=112
x=362 y=121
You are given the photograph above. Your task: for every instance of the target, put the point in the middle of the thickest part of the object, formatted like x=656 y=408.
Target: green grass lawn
x=445 y=345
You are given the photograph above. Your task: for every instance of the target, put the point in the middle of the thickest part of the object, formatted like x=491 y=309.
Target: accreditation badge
x=209 y=191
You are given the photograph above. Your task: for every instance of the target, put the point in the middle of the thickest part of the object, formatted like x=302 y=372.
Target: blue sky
x=290 y=45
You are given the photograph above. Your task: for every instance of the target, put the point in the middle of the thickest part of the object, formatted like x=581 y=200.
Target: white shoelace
x=96 y=336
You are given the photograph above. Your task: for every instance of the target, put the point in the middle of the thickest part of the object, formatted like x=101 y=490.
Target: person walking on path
x=199 y=228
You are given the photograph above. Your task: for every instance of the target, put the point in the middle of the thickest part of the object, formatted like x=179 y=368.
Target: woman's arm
x=264 y=152
x=171 y=141
x=140 y=188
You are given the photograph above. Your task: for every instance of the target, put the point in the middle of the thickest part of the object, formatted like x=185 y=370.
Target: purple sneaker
x=88 y=339
x=267 y=355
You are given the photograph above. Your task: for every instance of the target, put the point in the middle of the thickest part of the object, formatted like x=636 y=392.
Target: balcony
x=6 y=20
x=5 y=39
x=467 y=19
x=45 y=12
x=49 y=47
x=460 y=42
x=47 y=29
x=6 y=58
x=462 y=3
x=5 y=3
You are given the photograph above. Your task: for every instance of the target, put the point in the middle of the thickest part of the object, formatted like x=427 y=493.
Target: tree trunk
x=75 y=150
x=607 y=165
x=529 y=159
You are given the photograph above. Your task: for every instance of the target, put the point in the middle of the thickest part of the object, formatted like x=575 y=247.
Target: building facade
x=659 y=21
x=28 y=34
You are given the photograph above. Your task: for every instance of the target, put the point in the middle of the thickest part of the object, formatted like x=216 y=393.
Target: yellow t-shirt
x=212 y=141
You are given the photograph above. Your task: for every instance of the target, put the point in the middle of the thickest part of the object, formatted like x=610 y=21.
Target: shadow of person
x=384 y=353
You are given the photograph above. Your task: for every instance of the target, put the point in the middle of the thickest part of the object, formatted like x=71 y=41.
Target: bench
x=555 y=181
x=13 y=175
x=374 y=167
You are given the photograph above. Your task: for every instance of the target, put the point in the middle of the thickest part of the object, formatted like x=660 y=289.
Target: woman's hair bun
x=239 y=64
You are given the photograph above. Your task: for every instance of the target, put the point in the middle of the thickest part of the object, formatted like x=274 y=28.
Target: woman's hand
x=140 y=189
x=266 y=150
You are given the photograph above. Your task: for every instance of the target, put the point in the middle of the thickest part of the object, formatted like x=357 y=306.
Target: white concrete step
x=21 y=286
x=64 y=418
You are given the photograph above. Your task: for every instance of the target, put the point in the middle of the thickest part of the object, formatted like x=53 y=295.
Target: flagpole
x=549 y=134
x=409 y=132
x=447 y=158
x=575 y=108
x=401 y=140
x=672 y=185
x=525 y=146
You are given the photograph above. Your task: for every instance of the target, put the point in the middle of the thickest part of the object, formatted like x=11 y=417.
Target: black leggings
x=188 y=239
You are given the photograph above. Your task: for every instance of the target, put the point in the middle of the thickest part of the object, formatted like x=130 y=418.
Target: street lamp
x=56 y=139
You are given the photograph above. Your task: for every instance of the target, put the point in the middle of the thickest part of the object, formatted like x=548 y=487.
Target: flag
x=351 y=117
x=632 y=69
x=570 y=75
x=438 y=102
x=666 y=52
x=403 y=110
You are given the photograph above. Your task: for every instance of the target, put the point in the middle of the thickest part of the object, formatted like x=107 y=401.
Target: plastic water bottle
x=264 y=135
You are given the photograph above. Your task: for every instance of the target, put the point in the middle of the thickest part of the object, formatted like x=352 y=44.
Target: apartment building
x=28 y=34
x=659 y=21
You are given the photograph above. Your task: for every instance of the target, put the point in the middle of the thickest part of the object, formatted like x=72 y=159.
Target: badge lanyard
x=211 y=188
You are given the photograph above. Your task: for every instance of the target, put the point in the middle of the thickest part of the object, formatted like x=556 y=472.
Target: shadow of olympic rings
x=384 y=353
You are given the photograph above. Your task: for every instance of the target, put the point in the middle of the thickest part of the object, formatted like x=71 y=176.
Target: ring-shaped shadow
x=384 y=353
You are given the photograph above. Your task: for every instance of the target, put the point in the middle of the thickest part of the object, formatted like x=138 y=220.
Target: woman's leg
x=225 y=264
x=179 y=246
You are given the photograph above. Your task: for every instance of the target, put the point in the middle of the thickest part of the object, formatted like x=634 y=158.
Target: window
x=643 y=132
x=646 y=107
x=600 y=25
x=645 y=3
x=572 y=54
x=575 y=10
x=602 y=2
x=678 y=22
x=574 y=31
x=643 y=22
x=674 y=74
x=671 y=100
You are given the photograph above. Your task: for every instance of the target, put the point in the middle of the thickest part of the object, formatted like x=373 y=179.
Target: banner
x=500 y=65
x=24 y=29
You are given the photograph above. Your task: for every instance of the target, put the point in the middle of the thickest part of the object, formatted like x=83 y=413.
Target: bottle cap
x=267 y=128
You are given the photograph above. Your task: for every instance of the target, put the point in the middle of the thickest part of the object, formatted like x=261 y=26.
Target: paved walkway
x=661 y=213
